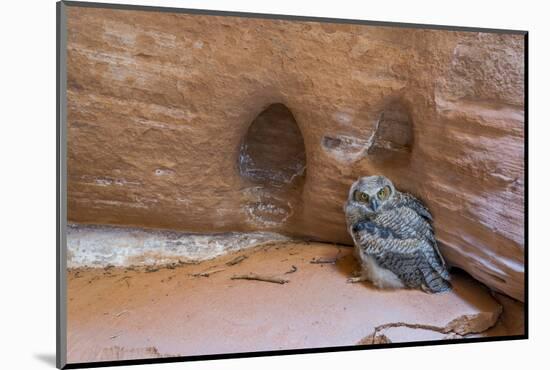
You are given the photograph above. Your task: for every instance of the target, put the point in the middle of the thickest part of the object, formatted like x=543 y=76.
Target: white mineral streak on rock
x=346 y=149
x=101 y=246
x=119 y=32
x=344 y=117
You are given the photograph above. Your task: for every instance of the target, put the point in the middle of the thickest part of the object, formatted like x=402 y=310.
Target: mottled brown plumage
x=394 y=239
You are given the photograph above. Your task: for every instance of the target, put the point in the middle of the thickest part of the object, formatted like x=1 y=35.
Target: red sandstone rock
x=161 y=110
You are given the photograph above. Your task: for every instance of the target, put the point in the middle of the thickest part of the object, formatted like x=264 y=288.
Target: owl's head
x=369 y=195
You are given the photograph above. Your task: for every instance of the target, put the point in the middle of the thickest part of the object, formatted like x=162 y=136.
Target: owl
x=394 y=239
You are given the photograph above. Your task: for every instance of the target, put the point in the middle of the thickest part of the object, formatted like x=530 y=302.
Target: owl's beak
x=374 y=204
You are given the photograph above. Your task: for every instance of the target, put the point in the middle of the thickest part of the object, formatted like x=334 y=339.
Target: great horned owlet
x=394 y=239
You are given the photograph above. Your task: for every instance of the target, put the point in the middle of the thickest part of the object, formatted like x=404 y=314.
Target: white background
x=27 y=180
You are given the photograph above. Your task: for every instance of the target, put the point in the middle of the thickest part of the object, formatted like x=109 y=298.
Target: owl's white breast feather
x=379 y=276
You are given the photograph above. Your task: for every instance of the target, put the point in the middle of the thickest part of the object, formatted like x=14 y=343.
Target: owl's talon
x=356 y=279
x=425 y=289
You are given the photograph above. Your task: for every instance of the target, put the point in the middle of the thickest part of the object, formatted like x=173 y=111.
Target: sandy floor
x=194 y=309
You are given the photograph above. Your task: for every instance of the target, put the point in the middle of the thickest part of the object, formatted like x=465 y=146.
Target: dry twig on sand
x=125 y=279
x=267 y=279
x=236 y=260
x=292 y=270
x=323 y=260
x=207 y=273
x=121 y=313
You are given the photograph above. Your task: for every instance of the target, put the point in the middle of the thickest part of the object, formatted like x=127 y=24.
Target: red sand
x=122 y=313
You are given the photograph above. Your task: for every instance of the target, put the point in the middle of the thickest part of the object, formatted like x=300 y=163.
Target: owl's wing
x=410 y=201
x=406 y=223
x=414 y=221
x=406 y=258
x=416 y=264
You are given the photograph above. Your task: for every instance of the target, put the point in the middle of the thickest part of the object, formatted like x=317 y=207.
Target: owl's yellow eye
x=384 y=193
x=359 y=196
x=364 y=197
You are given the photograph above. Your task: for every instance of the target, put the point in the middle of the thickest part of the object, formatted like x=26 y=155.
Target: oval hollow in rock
x=272 y=163
x=273 y=150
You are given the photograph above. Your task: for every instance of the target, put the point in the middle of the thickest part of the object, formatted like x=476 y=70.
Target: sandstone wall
x=170 y=117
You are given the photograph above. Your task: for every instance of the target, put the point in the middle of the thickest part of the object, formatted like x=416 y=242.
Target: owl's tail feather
x=436 y=283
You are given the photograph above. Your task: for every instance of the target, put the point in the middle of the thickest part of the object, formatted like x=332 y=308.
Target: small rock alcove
x=385 y=137
x=272 y=164
x=392 y=141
